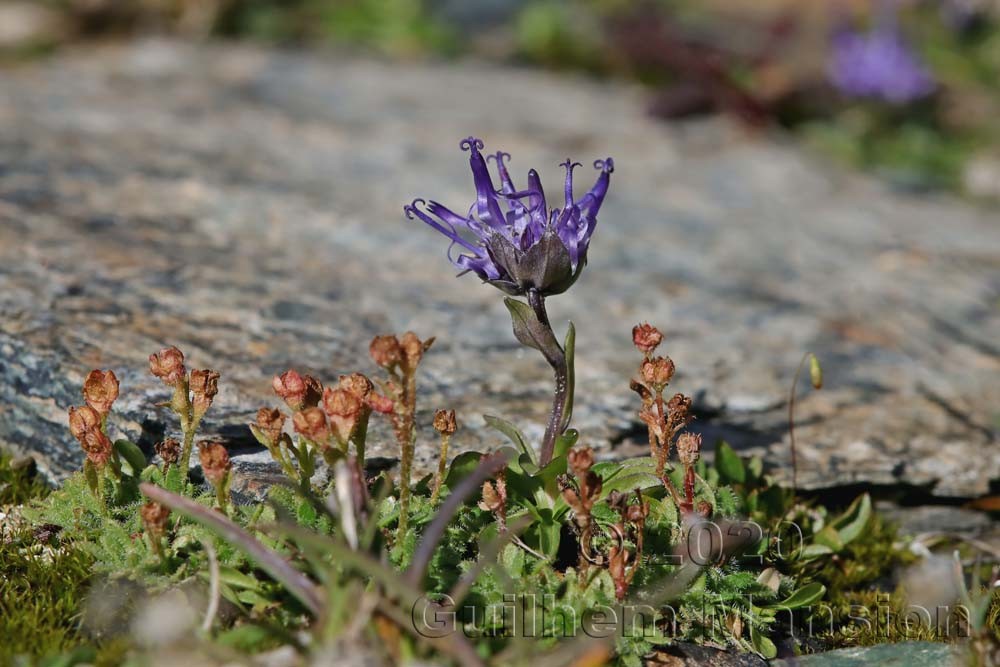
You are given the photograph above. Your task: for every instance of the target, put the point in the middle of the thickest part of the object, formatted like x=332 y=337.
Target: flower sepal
x=545 y=266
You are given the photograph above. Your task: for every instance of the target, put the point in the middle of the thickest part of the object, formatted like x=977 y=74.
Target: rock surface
x=906 y=654
x=245 y=205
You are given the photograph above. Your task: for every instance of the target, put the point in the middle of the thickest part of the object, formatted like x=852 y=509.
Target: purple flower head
x=878 y=65
x=509 y=237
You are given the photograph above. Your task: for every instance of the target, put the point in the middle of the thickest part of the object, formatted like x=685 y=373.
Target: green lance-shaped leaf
x=569 y=349
x=729 y=464
x=529 y=331
x=462 y=466
x=803 y=597
x=512 y=432
x=565 y=442
x=852 y=523
x=762 y=644
x=132 y=454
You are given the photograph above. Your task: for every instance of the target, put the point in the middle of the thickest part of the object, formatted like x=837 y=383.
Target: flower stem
x=405 y=435
x=556 y=359
x=442 y=466
x=181 y=404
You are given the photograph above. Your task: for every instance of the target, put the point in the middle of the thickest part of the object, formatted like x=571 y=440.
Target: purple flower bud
x=528 y=246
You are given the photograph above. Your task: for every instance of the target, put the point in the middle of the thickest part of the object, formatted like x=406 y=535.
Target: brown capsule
x=169 y=450
x=83 y=420
x=204 y=386
x=100 y=390
x=618 y=558
x=215 y=464
x=688 y=448
x=386 y=351
x=580 y=460
x=154 y=518
x=413 y=350
x=494 y=496
x=97 y=446
x=657 y=372
x=358 y=384
x=271 y=423
x=637 y=513
x=205 y=383
x=298 y=391
x=679 y=403
x=311 y=424
x=646 y=337
x=444 y=422
x=168 y=365
x=705 y=509
x=345 y=409
x=644 y=393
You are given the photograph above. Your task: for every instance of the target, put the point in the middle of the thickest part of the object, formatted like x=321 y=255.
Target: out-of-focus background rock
x=204 y=188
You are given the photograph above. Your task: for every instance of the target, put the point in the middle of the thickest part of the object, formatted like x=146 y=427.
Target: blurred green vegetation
x=763 y=61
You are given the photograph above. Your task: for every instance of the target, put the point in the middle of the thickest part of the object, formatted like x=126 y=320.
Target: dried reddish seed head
x=679 y=402
x=298 y=391
x=494 y=496
x=413 y=349
x=445 y=422
x=82 y=420
x=311 y=423
x=97 y=446
x=100 y=390
x=154 y=518
x=679 y=410
x=341 y=403
x=205 y=383
x=688 y=448
x=580 y=460
x=169 y=450
x=168 y=365
x=386 y=351
x=271 y=423
x=345 y=409
x=646 y=337
x=358 y=384
x=637 y=513
x=657 y=372
x=215 y=464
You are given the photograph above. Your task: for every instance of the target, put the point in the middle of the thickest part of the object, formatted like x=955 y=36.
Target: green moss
x=865 y=564
x=18 y=484
x=41 y=595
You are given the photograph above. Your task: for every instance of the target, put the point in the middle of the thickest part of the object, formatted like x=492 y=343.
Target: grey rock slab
x=246 y=205
x=905 y=654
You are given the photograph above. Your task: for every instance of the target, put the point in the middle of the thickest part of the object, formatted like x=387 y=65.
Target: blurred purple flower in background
x=528 y=247
x=878 y=64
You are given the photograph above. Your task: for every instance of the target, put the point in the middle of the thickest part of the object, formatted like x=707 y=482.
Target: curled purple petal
x=569 y=164
x=506 y=184
x=487 y=206
x=411 y=209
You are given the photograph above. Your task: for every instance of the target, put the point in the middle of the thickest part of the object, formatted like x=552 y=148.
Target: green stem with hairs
x=556 y=357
